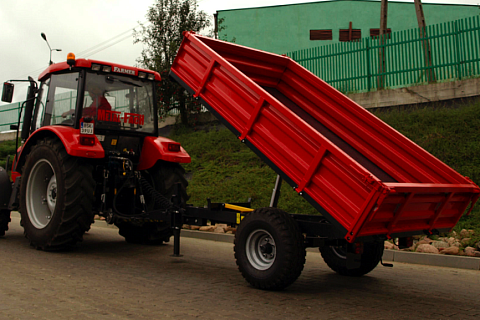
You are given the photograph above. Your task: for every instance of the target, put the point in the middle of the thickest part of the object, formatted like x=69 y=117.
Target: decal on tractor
x=116 y=116
x=123 y=70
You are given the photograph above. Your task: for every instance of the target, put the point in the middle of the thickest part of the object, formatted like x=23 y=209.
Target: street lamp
x=45 y=38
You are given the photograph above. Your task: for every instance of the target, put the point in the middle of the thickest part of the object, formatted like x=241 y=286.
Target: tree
x=162 y=36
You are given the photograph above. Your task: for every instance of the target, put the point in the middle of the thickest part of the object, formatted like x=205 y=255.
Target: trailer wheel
x=269 y=249
x=335 y=257
x=163 y=177
x=4 y=220
x=56 y=196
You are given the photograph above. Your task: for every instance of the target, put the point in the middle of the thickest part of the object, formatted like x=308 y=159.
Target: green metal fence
x=9 y=115
x=354 y=66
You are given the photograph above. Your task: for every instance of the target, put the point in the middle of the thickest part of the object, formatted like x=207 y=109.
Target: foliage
x=6 y=148
x=162 y=36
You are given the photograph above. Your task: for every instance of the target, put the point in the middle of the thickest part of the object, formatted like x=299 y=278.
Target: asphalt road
x=107 y=278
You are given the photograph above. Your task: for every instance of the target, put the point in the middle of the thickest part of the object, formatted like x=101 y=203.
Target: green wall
x=281 y=29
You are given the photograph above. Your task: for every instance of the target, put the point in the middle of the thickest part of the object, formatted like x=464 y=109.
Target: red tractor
x=90 y=146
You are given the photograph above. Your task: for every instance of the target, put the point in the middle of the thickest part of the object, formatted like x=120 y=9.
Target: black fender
x=5 y=189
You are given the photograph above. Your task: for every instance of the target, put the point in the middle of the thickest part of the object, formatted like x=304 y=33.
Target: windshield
x=119 y=102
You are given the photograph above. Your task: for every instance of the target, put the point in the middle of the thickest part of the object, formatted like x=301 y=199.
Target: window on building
x=350 y=34
x=321 y=35
x=376 y=32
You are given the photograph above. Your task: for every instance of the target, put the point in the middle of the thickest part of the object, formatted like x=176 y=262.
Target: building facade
x=286 y=28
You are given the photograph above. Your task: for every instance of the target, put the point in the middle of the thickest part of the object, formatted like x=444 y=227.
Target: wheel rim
x=339 y=252
x=41 y=194
x=260 y=249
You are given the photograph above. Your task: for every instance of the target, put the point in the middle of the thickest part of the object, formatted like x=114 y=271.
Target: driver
x=99 y=102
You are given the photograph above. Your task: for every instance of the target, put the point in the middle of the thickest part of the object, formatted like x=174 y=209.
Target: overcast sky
x=92 y=29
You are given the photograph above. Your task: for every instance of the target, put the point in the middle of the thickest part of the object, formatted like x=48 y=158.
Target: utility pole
x=381 y=49
x=215 y=21
x=425 y=43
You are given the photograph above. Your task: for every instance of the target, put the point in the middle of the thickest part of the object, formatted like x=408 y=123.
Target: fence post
x=369 y=73
x=457 y=51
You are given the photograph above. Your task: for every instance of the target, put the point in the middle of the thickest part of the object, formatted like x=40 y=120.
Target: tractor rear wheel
x=269 y=249
x=162 y=177
x=56 y=196
x=335 y=257
x=4 y=220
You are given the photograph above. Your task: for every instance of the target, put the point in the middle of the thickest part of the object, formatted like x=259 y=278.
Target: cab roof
x=87 y=63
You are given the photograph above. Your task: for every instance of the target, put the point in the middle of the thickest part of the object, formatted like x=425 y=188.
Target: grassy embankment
x=224 y=169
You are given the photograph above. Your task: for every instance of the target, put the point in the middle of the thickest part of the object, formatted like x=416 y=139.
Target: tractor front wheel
x=269 y=249
x=56 y=196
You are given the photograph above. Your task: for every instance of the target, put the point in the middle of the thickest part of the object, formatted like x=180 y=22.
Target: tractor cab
x=114 y=103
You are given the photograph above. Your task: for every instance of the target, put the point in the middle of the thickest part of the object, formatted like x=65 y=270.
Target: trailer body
x=362 y=175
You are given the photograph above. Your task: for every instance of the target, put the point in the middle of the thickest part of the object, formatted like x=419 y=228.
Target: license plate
x=86 y=128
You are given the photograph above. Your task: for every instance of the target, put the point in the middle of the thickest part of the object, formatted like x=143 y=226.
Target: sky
x=94 y=29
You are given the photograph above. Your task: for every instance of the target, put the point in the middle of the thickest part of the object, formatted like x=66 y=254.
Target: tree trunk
x=183 y=109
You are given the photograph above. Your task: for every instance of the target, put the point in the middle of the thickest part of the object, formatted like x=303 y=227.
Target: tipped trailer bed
x=363 y=176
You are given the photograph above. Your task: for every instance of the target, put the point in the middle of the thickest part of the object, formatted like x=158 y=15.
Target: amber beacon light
x=71 y=59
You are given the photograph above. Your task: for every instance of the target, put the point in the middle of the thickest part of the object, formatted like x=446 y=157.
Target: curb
x=437 y=260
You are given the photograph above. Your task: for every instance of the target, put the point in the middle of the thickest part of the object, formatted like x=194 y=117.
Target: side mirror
x=7 y=94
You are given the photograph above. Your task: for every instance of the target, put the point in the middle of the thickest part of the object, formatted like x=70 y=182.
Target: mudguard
x=70 y=138
x=5 y=189
x=157 y=148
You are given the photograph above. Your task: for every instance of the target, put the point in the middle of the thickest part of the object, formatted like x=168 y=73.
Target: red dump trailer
x=368 y=181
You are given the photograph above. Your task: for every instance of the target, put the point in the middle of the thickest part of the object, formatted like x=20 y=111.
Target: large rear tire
x=4 y=220
x=56 y=196
x=269 y=249
x=162 y=177
x=335 y=257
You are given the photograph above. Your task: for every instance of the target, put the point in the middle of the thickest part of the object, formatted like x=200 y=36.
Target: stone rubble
x=456 y=244
x=218 y=228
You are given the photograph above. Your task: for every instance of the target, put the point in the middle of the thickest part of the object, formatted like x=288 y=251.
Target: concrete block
x=439 y=260
x=388 y=255
x=221 y=237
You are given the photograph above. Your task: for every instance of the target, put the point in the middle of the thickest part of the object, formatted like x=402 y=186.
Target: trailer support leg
x=176 y=242
x=276 y=192
x=177 y=221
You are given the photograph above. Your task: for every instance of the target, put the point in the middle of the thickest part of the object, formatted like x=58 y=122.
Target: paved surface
x=439 y=260
x=106 y=278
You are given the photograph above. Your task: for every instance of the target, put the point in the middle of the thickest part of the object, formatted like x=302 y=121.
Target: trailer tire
x=163 y=177
x=4 y=220
x=336 y=259
x=56 y=196
x=279 y=261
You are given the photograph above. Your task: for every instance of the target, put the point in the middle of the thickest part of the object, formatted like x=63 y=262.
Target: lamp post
x=45 y=38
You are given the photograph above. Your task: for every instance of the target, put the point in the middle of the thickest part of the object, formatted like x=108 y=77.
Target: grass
x=224 y=169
